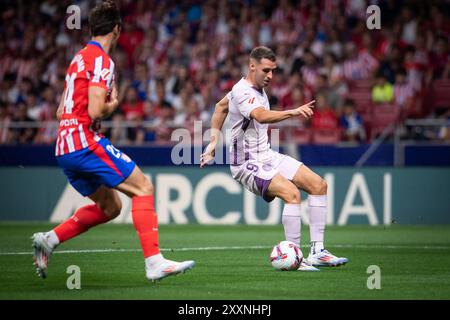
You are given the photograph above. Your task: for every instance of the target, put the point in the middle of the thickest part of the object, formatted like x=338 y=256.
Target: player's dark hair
x=104 y=17
x=262 y=52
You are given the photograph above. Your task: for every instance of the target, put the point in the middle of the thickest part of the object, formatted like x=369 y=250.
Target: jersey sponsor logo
x=68 y=122
x=105 y=74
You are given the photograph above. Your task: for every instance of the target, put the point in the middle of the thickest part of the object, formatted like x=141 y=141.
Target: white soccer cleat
x=324 y=258
x=168 y=268
x=42 y=253
x=304 y=266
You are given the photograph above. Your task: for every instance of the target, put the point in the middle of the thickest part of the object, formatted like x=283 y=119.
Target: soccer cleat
x=304 y=266
x=325 y=259
x=42 y=253
x=168 y=268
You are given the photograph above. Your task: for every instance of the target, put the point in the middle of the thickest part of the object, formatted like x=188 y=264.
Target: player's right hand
x=208 y=155
x=305 y=110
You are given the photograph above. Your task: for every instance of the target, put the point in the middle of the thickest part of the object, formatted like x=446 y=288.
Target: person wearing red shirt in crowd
x=133 y=107
x=324 y=117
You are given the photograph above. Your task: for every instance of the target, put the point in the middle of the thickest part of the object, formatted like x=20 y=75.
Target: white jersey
x=249 y=139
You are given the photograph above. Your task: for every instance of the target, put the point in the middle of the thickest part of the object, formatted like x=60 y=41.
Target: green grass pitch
x=231 y=263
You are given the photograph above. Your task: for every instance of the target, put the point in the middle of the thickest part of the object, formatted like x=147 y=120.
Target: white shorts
x=256 y=176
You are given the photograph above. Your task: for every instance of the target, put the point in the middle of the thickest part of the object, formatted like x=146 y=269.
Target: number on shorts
x=252 y=167
x=113 y=150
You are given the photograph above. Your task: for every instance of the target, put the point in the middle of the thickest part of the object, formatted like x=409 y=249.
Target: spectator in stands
x=164 y=124
x=296 y=97
x=352 y=123
x=132 y=107
x=141 y=80
x=324 y=116
x=403 y=92
x=440 y=58
x=25 y=134
x=353 y=69
x=118 y=134
x=383 y=91
x=167 y=49
x=335 y=75
x=310 y=70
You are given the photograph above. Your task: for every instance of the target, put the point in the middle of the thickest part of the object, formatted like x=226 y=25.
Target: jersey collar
x=95 y=43
x=260 y=91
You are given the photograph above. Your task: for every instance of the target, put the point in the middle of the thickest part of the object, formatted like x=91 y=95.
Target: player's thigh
x=284 y=189
x=255 y=176
x=107 y=200
x=137 y=184
x=311 y=182
x=286 y=165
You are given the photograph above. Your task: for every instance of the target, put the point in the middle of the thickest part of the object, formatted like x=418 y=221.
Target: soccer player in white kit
x=263 y=171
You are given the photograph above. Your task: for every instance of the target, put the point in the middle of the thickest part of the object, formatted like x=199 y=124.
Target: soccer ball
x=286 y=256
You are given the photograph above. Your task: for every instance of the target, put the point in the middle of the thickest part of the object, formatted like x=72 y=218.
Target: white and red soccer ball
x=286 y=256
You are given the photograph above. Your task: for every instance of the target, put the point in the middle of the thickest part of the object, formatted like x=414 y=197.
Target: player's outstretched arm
x=217 y=120
x=269 y=116
x=98 y=106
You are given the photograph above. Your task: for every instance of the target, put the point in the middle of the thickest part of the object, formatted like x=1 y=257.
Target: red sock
x=83 y=219
x=146 y=224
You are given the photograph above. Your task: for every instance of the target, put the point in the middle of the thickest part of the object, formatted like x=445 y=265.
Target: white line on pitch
x=230 y=248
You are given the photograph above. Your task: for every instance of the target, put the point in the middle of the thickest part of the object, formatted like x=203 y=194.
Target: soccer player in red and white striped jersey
x=93 y=166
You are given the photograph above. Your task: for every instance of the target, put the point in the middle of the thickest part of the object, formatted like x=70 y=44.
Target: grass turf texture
x=414 y=263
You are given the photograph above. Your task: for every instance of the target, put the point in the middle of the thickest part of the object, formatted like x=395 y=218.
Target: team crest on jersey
x=105 y=74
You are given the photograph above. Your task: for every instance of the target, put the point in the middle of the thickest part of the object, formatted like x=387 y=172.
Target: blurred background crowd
x=176 y=59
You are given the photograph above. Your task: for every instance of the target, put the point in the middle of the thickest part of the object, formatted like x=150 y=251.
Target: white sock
x=316 y=246
x=152 y=261
x=291 y=222
x=317 y=210
x=52 y=238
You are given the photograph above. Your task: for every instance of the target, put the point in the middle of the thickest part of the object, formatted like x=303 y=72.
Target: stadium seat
x=383 y=116
x=365 y=84
x=364 y=109
x=418 y=107
x=326 y=136
x=301 y=135
x=440 y=93
x=360 y=97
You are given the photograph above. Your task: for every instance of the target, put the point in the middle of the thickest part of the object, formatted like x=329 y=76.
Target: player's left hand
x=113 y=98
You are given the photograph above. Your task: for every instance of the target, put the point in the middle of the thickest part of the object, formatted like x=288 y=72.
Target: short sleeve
x=246 y=102
x=102 y=72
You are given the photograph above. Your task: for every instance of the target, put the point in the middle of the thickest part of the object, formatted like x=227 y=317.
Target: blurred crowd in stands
x=176 y=59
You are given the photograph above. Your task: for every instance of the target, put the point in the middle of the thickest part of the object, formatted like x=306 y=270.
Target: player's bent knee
x=142 y=186
x=111 y=209
x=291 y=196
x=320 y=188
x=146 y=188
